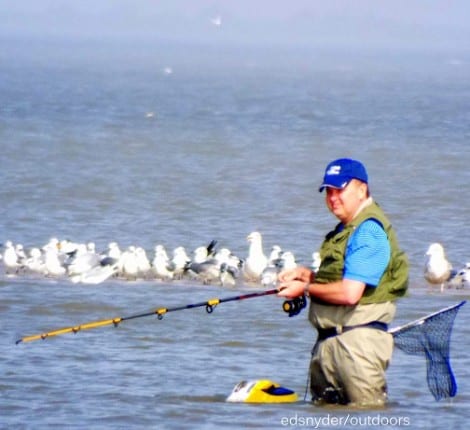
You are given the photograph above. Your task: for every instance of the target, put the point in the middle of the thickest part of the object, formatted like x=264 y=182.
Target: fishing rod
x=428 y=336
x=288 y=306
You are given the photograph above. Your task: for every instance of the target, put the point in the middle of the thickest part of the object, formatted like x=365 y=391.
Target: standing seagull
x=10 y=259
x=179 y=262
x=230 y=266
x=52 y=262
x=285 y=261
x=437 y=269
x=84 y=259
x=465 y=274
x=161 y=264
x=461 y=278
x=256 y=261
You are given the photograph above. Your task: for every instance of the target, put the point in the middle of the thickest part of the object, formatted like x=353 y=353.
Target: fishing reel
x=294 y=306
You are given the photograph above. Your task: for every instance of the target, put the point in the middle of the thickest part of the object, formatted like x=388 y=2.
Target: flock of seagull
x=82 y=263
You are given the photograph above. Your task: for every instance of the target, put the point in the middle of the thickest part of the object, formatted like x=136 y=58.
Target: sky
x=398 y=24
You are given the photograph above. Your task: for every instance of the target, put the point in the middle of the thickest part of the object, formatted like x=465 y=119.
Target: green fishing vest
x=394 y=281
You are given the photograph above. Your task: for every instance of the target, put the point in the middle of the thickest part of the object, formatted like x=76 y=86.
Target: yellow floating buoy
x=261 y=391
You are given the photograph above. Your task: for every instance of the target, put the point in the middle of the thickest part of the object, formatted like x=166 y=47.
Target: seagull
x=206 y=271
x=316 y=261
x=275 y=254
x=128 y=264
x=113 y=250
x=227 y=277
x=204 y=266
x=256 y=261
x=53 y=242
x=52 y=262
x=230 y=267
x=273 y=267
x=461 y=278
x=83 y=260
x=10 y=258
x=288 y=261
x=202 y=253
x=161 y=264
x=179 y=261
x=68 y=247
x=437 y=269
x=284 y=261
x=224 y=255
x=465 y=274
x=143 y=263
x=269 y=275
x=98 y=274
x=35 y=262
x=20 y=254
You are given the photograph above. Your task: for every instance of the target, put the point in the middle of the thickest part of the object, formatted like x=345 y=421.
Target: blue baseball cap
x=339 y=173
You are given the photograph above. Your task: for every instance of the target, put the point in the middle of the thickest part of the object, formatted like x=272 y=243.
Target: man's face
x=345 y=202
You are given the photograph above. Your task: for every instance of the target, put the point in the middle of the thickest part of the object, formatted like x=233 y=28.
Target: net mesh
x=430 y=337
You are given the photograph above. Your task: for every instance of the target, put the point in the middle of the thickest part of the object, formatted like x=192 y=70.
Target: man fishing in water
x=353 y=293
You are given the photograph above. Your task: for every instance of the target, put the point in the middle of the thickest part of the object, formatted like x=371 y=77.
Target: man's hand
x=300 y=273
x=291 y=289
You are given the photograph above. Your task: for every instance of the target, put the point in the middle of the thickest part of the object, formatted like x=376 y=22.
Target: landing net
x=430 y=336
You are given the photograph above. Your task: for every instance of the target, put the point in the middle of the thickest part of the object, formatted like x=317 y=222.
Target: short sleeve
x=367 y=253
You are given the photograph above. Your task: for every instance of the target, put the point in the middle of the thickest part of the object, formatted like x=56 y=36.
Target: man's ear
x=364 y=190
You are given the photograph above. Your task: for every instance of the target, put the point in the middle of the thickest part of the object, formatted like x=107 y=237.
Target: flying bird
x=217 y=21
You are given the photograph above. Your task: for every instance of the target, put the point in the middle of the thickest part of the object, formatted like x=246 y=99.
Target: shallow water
x=227 y=152
x=177 y=372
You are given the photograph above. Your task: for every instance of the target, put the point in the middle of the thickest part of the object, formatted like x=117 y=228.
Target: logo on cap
x=334 y=170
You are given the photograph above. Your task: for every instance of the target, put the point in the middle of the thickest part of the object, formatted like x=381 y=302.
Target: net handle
x=422 y=320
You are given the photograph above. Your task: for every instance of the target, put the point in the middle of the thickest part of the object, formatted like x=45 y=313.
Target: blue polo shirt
x=367 y=253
